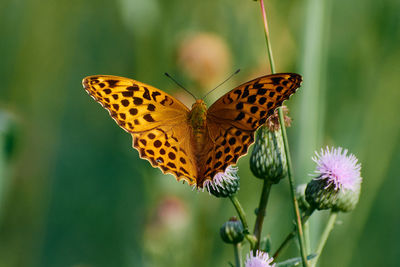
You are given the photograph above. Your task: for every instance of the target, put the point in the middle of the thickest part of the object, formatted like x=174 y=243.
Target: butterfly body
x=198 y=116
x=195 y=144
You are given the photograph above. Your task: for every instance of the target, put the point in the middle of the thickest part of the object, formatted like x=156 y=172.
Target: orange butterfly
x=195 y=144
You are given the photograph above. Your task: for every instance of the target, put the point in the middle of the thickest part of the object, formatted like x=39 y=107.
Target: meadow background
x=74 y=193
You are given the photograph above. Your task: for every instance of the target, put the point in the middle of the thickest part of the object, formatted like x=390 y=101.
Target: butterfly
x=191 y=144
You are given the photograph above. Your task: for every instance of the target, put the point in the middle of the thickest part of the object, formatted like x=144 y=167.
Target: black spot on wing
x=112 y=83
x=154 y=95
x=276 y=80
x=146 y=94
x=127 y=93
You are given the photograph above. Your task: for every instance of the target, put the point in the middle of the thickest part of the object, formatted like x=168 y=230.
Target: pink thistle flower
x=261 y=259
x=224 y=184
x=338 y=169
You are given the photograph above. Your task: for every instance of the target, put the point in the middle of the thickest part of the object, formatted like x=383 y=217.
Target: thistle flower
x=232 y=231
x=338 y=180
x=224 y=184
x=261 y=259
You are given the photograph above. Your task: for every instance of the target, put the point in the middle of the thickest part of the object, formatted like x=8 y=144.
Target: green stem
x=240 y=212
x=287 y=152
x=237 y=250
x=242 y=216
x=261 y=211
x=328 y=228
x=292 y=234
x=285 y=242
x=306 y=231
x=266 y=31
x=296 y=209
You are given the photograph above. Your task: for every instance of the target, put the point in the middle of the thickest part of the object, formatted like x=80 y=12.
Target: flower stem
x=266 y=31
x=292 y=234
x=296 y=209
x=261 y=210
x=286 y=145
x=237 y=250
x=242 y=216
x=324 y=237
x=240 y=211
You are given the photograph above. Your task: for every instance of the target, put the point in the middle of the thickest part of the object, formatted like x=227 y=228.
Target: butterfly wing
x=157 y=122
x=233 y=119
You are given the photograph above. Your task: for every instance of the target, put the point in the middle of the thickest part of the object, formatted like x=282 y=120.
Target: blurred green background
x=74 y=193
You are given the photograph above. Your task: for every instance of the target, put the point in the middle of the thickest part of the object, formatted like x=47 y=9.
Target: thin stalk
x=324 y=237
x=237 y=250
x=306 y=229
x=266 y=31
x=292 y=234
x=296 y=209
x=240 y=212
x=242 y=217
x=261 y=211
x=285 y=242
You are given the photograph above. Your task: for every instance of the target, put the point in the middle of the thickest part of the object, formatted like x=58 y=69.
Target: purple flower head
x=261 y=259
x=339 y=169
x=225 y=183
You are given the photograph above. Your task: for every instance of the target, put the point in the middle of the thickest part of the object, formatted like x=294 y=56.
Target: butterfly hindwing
x=169 y=148
x=226 y=144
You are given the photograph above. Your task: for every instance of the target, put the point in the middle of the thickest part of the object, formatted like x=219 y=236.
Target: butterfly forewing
x=135 y=106
x=249 y=105
x=157 y=122
x=233 y=119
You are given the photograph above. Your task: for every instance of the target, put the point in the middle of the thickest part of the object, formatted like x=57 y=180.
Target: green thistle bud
x=224 y=184
x=320 y=195
x=268 y=159
x=232 y=231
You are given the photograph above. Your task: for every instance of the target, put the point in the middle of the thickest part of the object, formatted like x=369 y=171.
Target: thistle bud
x=224 y=184
x=232 y=231
x=320 y=195
x=268 y=159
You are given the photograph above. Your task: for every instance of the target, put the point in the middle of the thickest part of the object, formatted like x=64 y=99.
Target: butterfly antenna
x=227 y=79
x=169 y=76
